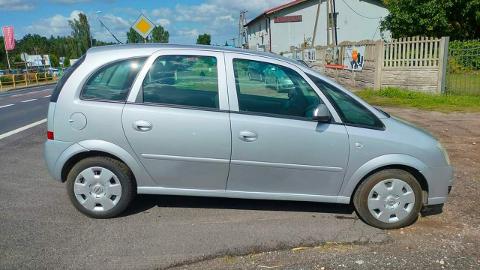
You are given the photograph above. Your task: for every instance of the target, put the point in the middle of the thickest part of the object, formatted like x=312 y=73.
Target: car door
x=276 y=147
x=177 y=122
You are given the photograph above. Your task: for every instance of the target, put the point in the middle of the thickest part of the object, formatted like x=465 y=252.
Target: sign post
x=143 y=26
x=9 y=41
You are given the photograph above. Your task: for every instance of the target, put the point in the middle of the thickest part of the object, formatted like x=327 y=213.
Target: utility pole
x=316 y=23
x=241 y=27
x=332 y=26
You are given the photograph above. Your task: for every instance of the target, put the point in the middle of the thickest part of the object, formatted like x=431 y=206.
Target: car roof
x=150 y=48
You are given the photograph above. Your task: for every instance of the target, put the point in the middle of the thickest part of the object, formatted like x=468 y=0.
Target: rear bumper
x=440 y=182
x=53 y=150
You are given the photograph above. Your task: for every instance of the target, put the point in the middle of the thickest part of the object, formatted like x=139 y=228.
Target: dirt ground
x=450 y=240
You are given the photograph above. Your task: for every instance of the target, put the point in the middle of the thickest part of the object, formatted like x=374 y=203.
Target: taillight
x=50 y=135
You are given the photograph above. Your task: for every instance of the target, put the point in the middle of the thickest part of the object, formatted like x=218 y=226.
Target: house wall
x=255 y=31
x=285 y=35
x=352 y=26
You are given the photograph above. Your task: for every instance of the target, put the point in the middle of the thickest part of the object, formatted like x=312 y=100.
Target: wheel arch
x=93 y=148
x=394 y=161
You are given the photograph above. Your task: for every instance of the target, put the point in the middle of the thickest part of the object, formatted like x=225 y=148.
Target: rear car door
x=276 y=147
x=177 y=119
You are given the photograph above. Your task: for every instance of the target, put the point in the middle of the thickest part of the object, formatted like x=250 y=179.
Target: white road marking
x=31 y=92
x=47 y=96
x=15 y=131
x=5 y=106
x=28 y=100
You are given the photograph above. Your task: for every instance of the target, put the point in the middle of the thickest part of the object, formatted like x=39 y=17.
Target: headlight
x=445 y=154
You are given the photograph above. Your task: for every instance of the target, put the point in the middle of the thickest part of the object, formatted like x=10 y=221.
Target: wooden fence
x=416 y=63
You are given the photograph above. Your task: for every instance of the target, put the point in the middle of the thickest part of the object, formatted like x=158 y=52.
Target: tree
x=81 y=33
x=160 y=35
x=134 y=37
x=204 y=39
x=459 y=19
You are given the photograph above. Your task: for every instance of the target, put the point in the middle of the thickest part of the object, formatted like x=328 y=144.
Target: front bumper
x=440 y=182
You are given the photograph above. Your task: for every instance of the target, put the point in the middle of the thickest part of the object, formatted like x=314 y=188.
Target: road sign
x=143 y=26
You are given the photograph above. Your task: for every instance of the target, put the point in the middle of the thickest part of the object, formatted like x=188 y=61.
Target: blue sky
x=184 y=19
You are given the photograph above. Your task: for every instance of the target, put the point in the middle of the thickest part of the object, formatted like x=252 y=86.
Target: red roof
x=278 y=8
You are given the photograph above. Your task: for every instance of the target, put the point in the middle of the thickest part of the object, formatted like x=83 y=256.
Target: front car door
x=276 y=147
x=176 y=120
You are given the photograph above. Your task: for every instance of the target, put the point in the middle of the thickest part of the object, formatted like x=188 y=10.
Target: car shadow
x=145 y=202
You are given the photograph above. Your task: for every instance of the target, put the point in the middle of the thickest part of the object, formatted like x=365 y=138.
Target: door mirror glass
x=321 y=114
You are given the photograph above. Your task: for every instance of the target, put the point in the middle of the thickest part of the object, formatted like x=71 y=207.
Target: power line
x=354 y=11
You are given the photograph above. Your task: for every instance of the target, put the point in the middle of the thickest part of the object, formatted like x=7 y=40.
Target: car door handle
x=142 y=125
x=247 y=136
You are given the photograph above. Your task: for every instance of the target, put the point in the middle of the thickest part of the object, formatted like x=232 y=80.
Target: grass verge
x=395 y=97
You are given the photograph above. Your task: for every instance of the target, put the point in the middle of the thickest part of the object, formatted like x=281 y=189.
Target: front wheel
x=100 y=187
x=389 y=199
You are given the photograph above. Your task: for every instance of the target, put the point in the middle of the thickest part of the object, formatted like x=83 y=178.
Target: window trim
x=141 y=99
x=339 y=111
x=232 y=88
x=135 y=96
x=82 y=91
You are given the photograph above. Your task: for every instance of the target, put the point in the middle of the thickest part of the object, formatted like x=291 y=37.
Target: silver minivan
x=197 y=121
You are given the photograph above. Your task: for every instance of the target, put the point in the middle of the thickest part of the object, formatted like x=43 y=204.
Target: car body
x=235 y=138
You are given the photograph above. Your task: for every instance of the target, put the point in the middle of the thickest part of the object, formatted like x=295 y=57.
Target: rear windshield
x=63 y=80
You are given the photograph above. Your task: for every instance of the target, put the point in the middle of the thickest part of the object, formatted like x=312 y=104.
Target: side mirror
x=321 y=114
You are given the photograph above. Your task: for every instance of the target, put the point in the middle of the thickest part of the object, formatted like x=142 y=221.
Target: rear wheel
x=389 y=199
x=100 y=187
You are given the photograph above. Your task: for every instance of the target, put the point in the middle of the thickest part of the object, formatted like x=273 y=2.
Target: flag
x=8 y=38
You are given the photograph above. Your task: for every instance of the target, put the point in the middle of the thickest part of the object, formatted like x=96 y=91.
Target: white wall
x=255 y=31
x=352 y=26
x=285 y=35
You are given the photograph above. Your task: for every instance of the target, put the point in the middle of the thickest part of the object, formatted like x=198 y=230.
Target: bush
x=464 y=56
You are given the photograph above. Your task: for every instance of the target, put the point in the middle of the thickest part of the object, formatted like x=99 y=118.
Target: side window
x=112 y=82
x=350 y=110
x=184 y=80
x=273 y=89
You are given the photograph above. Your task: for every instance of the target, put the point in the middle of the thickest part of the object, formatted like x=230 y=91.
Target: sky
x=184 y=19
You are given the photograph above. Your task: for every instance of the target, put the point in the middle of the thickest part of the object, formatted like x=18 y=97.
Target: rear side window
x=182 y=80
x=63 y=80
x=113 y=81
x=350 y=110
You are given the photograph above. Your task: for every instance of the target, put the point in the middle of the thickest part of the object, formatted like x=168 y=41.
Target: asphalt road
x=40 y=229
x=22 y=107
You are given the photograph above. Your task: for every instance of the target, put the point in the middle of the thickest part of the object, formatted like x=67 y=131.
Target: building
x=294 y=23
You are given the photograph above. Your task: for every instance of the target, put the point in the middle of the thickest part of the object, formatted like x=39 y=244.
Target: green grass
x=466 y=83
x=395 y=97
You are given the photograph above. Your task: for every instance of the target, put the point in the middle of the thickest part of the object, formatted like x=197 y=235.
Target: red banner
x=287 y=19
x=8 y=38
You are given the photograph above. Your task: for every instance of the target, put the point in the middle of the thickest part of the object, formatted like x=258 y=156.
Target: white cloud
x=56 y=25
x=189 y=33
x=69 y=1
x=162 y=22
x=18 y=5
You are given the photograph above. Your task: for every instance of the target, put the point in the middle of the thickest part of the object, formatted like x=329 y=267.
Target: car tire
x=100 y=187
x=389 y=199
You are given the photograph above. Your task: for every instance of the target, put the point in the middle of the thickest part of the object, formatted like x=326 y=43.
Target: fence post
x=442 y=64
x=379 y=50
x=13 y=80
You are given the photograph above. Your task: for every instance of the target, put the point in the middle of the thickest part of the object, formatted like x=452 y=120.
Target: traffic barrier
x=13 y=81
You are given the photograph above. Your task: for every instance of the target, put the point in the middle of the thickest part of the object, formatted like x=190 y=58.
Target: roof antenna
x=98 y=12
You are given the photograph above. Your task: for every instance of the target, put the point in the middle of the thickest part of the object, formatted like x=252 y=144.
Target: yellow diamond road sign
x=143 y=26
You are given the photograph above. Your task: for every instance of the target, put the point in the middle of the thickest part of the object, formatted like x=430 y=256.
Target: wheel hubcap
x=391 y=200
x=97 y=189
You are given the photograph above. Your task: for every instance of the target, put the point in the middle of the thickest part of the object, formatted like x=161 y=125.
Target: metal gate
x=463 y=69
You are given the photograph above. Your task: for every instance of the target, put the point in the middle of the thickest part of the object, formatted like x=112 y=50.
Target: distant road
x=23 y=107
